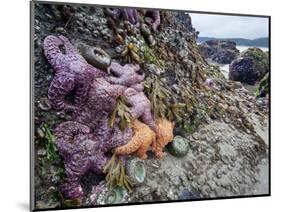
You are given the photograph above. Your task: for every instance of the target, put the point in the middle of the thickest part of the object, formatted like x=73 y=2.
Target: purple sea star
x=128 y=14
x=140 y=107
x=83 y=146
x=127 y=75
x=101 y=102
x=84 y=141
x=84 y=151
x=72 y=72
x=155 y=15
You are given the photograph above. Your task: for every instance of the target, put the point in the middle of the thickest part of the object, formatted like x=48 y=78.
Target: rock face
x=219 y=51
x=251 y=67
x=221 y=162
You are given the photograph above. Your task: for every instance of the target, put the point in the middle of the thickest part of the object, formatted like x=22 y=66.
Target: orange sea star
x=164 y=136
x=140 y=142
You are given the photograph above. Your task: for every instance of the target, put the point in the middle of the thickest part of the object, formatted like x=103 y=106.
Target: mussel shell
x=145 y=30
x=96 y=56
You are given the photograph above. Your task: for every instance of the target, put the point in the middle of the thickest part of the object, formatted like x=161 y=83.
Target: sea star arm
x=113 y=13
x=125 y=75
x=71 y=128
x=116 y=69
x=136 y=16
x=65 y=133
x=148 y=119
x=61 y=85
x=138 y=87
x=52 y=51
x=69 y=48
x=81 y=93
x=155 y=15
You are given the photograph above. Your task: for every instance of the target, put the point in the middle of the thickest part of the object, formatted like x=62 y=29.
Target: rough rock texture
x=251 y=67
x=219 y=51
x=244 y=70
x=215 y=119
x=221 y=162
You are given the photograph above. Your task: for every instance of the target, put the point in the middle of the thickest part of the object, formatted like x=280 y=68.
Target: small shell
x=119 y=39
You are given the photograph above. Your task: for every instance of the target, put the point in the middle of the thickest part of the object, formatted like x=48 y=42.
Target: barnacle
x=215 y=72
x=116 y=175
x=123 y=112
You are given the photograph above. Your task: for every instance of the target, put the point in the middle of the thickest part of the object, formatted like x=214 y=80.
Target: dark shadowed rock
x=219 y=51
x=243 y=70
x=251 y=67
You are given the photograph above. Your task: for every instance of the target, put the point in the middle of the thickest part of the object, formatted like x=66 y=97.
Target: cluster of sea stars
x=84 y=141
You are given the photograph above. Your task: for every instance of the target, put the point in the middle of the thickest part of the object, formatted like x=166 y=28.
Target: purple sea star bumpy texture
x=140 y=107
x=84 y=151
x=100 y=103
x=126 y=75
x=128 y=14
x=71 y=72
x=84 y=141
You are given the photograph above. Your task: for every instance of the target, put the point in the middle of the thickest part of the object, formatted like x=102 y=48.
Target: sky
x=225 y=26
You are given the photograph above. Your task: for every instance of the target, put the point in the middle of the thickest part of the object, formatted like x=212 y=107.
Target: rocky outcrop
x=219 y=51
x=250 y=67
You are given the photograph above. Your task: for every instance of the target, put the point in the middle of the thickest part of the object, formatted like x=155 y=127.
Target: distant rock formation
x=251 y=67
x=219 y=51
